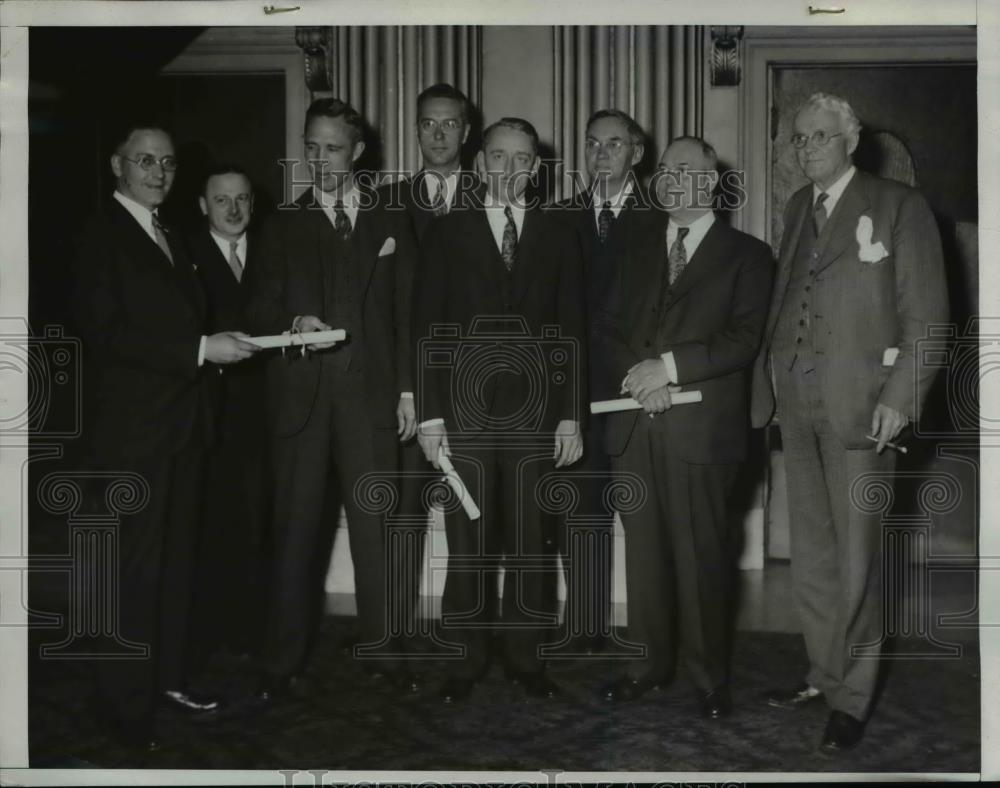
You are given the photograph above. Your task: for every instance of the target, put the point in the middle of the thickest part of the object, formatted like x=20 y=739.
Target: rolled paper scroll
x=458 y=486
x=615 y=405
x=298 y=339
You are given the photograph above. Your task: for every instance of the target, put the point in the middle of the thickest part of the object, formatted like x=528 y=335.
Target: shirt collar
x=140 y=213
x=349 y=197
x=697 y=230
x=836 y=189
x=223 y=244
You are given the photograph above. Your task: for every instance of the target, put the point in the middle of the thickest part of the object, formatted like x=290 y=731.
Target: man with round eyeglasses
x=860 y=278
x=141 y=314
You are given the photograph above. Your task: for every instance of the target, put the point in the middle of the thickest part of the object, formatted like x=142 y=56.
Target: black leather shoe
x=842 y=732
x=794 y=698
x=190 y=704
x=456 y=689
x=537 y=685
x=716 y=704
x=626 y=688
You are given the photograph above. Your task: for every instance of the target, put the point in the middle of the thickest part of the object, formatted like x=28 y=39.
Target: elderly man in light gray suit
x=860 y=277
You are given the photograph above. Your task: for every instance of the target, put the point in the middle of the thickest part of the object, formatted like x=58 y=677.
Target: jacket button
x=798 y=340
x=646 y=343
x=811 y=272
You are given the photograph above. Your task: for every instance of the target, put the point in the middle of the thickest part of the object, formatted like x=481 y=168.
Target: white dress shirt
x=350 y=199
x=496 y=215
x=223 y=244
x=432 y=181
x=617 y=202
x=835 y=190
x=144 y=217
x=697 y=231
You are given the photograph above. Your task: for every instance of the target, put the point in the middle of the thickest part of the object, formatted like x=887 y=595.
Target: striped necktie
x=508 y=246
x=819 y=213
x=161 y=238
x=234 y=261
x=677 y=257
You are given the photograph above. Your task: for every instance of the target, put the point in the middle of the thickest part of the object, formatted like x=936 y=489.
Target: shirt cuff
x=430 y=423
x=201 y=350
x=671 y=365
x=406 y=395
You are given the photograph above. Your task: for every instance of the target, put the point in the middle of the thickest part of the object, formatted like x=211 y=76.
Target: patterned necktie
x=161 y=238
x=508 y=247
x=604 y=221
x=439 y=206
x=677 y=257
x=341 y=224
x=819 y=213
x=234 y=261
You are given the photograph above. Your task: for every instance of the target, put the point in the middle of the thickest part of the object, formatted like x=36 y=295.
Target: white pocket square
x=388 y=247
x=868 y=252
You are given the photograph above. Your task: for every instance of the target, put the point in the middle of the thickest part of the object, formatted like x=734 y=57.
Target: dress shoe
x=536 y=684
x=456 y=689
x=626 y=688
x=190 y=704
x=716 y=704
x=794 y=698
x=842 y=732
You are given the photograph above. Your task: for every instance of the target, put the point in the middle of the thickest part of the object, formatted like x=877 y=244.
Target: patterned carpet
x=927 y=720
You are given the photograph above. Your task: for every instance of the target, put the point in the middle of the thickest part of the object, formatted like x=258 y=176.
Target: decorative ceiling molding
x=724 y=59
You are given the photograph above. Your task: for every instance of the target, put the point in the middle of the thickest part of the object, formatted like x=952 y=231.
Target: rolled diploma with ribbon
x=615 y=405
x=298 y=339
x=458 y=486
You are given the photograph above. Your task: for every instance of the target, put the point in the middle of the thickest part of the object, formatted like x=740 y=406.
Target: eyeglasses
x=819 y=138
x=611 y=146
x=147 y=162
x=430 y=126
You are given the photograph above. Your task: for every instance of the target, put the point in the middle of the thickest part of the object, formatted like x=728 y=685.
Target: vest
x=792 y=345
x=341 y=300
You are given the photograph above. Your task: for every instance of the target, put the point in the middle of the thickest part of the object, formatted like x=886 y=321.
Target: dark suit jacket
x=712 y=322
x=238 y=389
x=866 y=307
x=600 y=262
x=529 y=319
x=141 y=320
x=288 y=280
x=409 y=193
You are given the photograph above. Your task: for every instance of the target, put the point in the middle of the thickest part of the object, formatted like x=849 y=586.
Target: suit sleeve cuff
x=671 y=365
x=407 y=395
x=430 y=423
x=201 y=350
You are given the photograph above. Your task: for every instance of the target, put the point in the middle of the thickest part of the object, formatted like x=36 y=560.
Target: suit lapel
x=705 y=259
x=789 y=243
x=643 y=271
x=525 y=261
x=367 y=244
x=840 y=230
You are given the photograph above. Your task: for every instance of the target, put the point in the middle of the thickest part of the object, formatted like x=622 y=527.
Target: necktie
x=439 y=206
x=677 y=257
x=234 y=261
x=819 y=213
x=161 y=238
x=341 y=224
x=604 y=221
x=508 y=247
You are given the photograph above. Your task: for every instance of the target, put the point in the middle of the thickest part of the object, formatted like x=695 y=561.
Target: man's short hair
x=223 y=168
x=130 y=127
x=634 y=129
x=834 y=104
x=517 y=124
x=443 y=90
x=706 y=149
x=335 y=108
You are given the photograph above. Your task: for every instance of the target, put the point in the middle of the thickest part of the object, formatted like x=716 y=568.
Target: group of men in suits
x=479 y=327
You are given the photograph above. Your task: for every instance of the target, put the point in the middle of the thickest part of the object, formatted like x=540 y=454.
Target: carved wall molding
x=724 y=59
x=315 y=45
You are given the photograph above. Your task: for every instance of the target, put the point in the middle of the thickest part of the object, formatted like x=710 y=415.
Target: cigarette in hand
x=890 y=444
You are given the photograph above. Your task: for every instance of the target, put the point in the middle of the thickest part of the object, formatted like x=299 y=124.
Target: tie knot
x=508 y=212
x=233 y=245
x=682 y=232
x=606 y=206
x=820 y=199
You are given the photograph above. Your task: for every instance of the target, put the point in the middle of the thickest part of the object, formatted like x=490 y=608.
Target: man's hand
x=432 y=438
x=406 y=419
x=569 y=443
x=307 y=323
x=887 y=423
x=657 y=400
x=646 y=376
x=228 y=347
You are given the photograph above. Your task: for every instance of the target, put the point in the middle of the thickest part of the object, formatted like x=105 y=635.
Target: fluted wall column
x=655 y=73
x=380 y=71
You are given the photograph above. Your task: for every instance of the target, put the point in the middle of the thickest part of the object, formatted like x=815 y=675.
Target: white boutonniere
x=868 y=252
